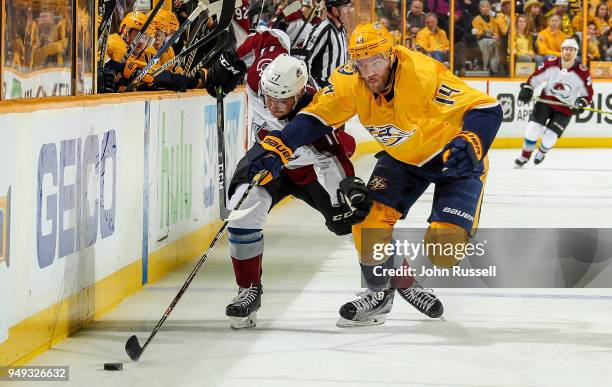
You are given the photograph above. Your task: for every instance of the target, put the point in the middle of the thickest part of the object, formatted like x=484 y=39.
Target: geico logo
x=461 y=214
x=280 y=147
x=77 y=195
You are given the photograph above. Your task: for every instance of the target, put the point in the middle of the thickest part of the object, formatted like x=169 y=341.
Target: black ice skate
x=243 y=309
x=518 y=163
x=423 y=300
x=539 y=157
x=370 y=309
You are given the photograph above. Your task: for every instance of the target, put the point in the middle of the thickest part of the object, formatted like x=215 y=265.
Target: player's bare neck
x=567 y=65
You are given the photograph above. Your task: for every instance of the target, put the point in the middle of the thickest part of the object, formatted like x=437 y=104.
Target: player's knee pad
x=245 y=243
x=258 y=198
x=549 y=138
x=375 y=229
x=533 y=132
x=445 y=243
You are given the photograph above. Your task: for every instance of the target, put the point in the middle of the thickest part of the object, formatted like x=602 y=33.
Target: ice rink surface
x=491 y=337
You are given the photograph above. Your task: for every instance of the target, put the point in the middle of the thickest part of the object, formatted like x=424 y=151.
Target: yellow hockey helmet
x=171 y=21
x=370 y=39
x=135 y=20
x=166 y=22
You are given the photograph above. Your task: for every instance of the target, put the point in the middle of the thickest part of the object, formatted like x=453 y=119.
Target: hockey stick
x=141 y=74
x=224 y=21
x=291 y=8
x=132 y=346
x=223 y=211
x=308 y=20
x=196 y=31
x=542 y=100
x=213 y=10
x=104 y=29
x=142 y=31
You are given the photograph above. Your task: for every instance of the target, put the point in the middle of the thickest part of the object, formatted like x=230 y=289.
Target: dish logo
x=507 y=104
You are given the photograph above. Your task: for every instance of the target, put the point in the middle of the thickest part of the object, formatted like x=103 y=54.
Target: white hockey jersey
x=562 y=85
x=326 y=160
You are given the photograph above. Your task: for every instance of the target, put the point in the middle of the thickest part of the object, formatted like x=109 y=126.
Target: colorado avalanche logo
x=390 y=135
x=262 y=64
x=562 y=90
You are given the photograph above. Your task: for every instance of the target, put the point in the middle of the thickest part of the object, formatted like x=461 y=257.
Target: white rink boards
x=492 y=337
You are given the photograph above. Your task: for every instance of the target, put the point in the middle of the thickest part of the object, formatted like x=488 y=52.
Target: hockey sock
x=246 y=250
x=376 y=276
x=404 y=280
x=532 y=134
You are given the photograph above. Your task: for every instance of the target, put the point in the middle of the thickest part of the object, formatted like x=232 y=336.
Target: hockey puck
x=113 y=366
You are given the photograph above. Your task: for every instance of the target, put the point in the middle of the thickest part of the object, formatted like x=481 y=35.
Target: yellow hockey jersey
x=117 y=47
x=425 y=113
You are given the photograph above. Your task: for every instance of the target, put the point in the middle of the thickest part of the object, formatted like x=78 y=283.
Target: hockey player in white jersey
x=568 y=87
x=318 y=174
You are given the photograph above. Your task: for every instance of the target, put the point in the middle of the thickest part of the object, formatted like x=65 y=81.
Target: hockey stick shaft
x=308 y=20
x=197 y=31
x=220 y=43
x=547 y=101
x=213 y=10
x=225 y=19
x=132 y=347
x=104 y=30
x=221 y=153
x=196 y=12
x=142 y=31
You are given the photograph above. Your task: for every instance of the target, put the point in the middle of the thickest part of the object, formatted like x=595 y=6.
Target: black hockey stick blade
x=133 y=348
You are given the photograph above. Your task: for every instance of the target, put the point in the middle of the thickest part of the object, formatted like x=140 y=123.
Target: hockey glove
x=526 y=93
x=268 y=155
x=175 y=82
x=461 y=155
x=130 y=70
x=358 y=196
x=106 y=80
x=340 y=222
x=579 y=105
x=226 y=72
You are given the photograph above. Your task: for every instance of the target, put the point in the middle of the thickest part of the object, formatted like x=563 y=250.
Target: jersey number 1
x=445 y=94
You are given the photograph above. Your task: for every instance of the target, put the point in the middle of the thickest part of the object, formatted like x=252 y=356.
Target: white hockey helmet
x=284 y=77
x=569 y=42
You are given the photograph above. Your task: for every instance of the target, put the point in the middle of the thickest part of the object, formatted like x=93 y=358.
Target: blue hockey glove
x=461 y=155
x=269 y=155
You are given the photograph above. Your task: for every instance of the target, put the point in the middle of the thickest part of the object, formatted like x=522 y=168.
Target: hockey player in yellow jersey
x=118 y=45
x=432 y=128
x=166 y=24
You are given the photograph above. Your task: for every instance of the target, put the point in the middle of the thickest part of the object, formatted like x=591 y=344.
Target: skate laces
x=421 y=298
x=246 y=296
x=369 y=300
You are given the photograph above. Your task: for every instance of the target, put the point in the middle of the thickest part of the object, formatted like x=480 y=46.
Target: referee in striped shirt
x=327 y=46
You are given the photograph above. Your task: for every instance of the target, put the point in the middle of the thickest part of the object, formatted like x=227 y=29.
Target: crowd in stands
x=37 y=38
x=482 y=30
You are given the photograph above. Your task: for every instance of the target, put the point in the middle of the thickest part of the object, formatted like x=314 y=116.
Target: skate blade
x=373 y=321
x=244 y=322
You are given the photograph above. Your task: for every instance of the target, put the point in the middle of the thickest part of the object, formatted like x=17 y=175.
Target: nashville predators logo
x=390 y=135
x=377 y=183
